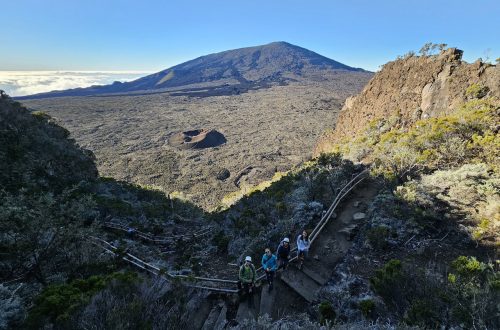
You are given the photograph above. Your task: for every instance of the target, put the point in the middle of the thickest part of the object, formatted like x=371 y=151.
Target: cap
x=286 y=240
x=248 y=258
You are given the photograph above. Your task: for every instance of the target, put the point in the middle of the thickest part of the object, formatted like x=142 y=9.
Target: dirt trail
x=335 y=239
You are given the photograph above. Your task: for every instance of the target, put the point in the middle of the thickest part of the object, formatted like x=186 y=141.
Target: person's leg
x=250 y=295
x=301 y=259
x=247 y=288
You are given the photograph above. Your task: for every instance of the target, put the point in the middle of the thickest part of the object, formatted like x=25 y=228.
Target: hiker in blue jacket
x=269 y=265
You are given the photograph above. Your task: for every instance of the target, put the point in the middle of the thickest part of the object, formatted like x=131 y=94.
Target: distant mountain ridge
x=244 y=68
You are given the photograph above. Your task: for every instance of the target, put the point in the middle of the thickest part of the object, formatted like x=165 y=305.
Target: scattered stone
x=357 y=203
x=316 y=257
x=184 y=271
x=359 y=216
x=223 y=174
x=350 y=231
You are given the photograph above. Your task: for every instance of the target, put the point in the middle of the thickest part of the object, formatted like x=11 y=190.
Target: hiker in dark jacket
x=283 y=253
x=248 y=275
x=269 y=265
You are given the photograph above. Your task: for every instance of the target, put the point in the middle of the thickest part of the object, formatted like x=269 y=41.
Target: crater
x=197 y=139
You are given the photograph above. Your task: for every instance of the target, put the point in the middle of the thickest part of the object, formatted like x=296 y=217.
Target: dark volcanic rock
x=223 y=174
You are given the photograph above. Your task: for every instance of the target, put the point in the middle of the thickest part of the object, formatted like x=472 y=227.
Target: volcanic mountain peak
x=244 y=68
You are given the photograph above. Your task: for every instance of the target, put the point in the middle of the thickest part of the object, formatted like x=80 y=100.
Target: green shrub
x=476 y=91
x=329 y=159
x=422 y=313
x=326 y=312
x=377 y=237
x=386 y=277
x=443 y=142
x=115 y=205
x=57 y=302
x=221 y=241
x=367 y=306
x=280 y=207
x=474 y=286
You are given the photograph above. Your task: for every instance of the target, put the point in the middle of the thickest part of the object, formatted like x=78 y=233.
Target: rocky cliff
x=414 y=87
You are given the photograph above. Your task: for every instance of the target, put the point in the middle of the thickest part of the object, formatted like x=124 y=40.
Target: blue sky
x=153 y=35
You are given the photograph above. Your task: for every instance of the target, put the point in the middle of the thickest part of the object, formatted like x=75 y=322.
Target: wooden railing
x=108 y=247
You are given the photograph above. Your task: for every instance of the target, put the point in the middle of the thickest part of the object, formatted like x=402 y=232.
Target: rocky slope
x=230 y=72
x=423 y=254
x=412 y=88
x=269 y=130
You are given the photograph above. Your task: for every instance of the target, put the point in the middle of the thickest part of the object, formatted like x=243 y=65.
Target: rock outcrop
x=412 y=88
x=197 y=139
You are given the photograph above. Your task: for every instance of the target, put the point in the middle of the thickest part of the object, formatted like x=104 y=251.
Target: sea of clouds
x=19 y=83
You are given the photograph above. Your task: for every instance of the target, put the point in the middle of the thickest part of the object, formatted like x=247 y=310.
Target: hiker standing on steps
x=269 y=265
x=283 y=253
x=303 y=244
x=248 y=275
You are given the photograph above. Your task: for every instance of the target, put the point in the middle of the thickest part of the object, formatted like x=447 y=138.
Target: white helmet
x=286 y=240
x=248 y=258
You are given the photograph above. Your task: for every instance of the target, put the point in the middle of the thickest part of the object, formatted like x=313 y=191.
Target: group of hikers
x=272 y=263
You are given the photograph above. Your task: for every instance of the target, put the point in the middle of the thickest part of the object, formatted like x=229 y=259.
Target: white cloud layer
x=19 y=83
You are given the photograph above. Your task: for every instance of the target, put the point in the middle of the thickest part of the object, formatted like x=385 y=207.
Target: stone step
x=248 y=308
x=301 y=283
x=222 y=319
x=314 y=275
x=267 y=300
x=203 y=309
x=212 y=318
x=349 y=231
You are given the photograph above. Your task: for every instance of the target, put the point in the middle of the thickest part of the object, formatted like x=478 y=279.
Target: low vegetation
x=420 y=259
x=442 y=179
x=51 y=202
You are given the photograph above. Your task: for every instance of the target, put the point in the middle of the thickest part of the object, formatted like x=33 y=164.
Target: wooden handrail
x=156 y=271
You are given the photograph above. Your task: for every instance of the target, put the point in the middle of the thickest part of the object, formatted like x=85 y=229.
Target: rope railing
x=110 y=248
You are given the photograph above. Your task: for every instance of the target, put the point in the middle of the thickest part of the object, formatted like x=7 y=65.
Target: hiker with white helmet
x=248 y=275
x=283 y=253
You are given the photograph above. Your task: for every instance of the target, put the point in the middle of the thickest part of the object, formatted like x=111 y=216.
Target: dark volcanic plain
x=269 y=127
